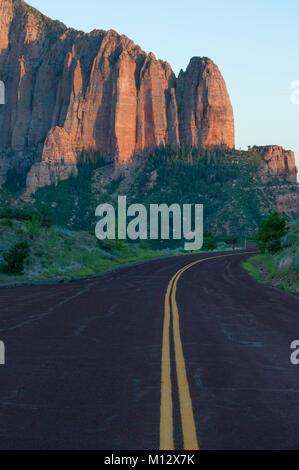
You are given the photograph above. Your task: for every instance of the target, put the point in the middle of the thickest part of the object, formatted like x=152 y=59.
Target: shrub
x=209 y=242
x=273 y=246
x=104 y=254
x=34 y=227
x=221 y=246
x=106 y=245
x=7 y=223
x=288 y=240
x=44 y=217
x=270 y=231
x=15 y=258
x=296 y=261
x=286 y=260
x=26 y=213
x=230 y=240
x=295 y=224
x=6 y=213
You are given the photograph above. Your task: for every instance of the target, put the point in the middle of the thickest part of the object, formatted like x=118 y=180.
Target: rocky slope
x=102 y=91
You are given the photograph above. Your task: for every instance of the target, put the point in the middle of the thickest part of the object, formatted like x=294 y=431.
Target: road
x=160 y=355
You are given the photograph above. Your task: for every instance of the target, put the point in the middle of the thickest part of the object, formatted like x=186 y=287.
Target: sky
x=254 y=43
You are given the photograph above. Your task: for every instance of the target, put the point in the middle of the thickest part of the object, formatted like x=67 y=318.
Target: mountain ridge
x=103 y=90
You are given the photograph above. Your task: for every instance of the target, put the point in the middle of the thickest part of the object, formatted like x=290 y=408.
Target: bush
x=230 y=240
x=44 y=217
x=221 y=246
x=288 y=240
x=15 y=258
x=270 y=231
x=209 y=242
x=295 y=224
x=107 y=245
x=15 y=213
x=273 y=246
x=296 y=261
x=6 y=213
x=26 y=213
x=7 y=223
x=34 y=227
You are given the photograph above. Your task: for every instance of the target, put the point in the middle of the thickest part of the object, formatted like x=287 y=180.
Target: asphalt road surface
x=160 y=355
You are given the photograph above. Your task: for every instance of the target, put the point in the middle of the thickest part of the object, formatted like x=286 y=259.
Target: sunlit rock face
x=279 y=162
x=58 y=161
x=205 y=111
x=103 y=90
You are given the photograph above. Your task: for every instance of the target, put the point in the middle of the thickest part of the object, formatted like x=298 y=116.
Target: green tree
x=15 y=258
x=270 y=232
x=44 y=217
x=209 y=242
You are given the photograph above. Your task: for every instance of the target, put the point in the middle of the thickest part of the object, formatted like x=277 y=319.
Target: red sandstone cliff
x=205 y=111
x=103 y=91
x=58 y=161
x=67 y=90
x=278 y=162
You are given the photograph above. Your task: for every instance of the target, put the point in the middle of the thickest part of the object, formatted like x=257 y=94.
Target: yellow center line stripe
x=166 y=413
x=186 y=409
x=187 y=416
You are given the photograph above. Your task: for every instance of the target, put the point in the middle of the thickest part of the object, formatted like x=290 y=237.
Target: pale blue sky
x=254 y=43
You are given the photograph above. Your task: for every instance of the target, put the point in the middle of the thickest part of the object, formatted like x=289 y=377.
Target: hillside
x=282 y=268
x=31 y=249
x=231 y=185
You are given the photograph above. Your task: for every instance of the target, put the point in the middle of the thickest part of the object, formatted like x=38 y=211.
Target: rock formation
x=205 y=111
x=67 y=91
x=102 y=91
x=279 y=162
x=288 y=203
x=58 y=161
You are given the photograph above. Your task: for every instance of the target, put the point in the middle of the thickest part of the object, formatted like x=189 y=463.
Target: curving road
x=184 y=352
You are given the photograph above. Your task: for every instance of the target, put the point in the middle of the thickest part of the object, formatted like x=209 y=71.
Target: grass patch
x=58 y=253
x=279 y=269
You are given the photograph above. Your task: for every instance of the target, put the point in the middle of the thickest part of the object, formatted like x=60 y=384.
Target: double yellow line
x=186 y=410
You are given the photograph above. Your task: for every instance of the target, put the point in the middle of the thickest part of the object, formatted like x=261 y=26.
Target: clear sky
x=254 y=43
